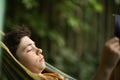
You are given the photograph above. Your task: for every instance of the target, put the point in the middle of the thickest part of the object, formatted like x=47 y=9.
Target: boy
x=25 y=50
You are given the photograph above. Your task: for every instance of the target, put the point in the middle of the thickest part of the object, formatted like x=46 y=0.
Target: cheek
x=28 y=59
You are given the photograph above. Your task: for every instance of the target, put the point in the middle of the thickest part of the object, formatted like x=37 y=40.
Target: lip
x=42 y=59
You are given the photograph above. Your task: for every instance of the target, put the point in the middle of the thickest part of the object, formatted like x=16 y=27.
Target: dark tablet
x=117 y=26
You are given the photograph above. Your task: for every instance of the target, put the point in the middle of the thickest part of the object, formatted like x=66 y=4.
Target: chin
x=43 y=67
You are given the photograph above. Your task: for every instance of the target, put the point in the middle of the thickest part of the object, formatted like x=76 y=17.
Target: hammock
x=14 y=70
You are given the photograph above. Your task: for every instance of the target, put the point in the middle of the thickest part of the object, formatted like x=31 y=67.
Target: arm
x=109 y=59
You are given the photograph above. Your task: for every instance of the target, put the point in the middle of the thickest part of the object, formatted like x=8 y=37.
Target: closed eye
x=29 y=50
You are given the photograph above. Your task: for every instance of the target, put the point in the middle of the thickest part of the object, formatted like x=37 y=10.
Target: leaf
x=96 y=5
x=29 y=4
x=73 y=22
x=53 y=35
x=117 y=1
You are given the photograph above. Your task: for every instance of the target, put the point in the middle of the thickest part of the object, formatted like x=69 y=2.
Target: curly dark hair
x=12 y=39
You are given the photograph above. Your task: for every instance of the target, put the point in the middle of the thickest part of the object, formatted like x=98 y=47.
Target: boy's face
x=30 y=56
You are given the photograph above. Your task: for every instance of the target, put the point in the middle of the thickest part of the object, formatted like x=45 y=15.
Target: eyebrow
x=28 y=45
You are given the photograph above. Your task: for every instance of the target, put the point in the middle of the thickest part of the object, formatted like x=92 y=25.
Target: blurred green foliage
x=117 y=1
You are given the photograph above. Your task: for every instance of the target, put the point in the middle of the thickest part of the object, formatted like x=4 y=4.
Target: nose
x=39 y=51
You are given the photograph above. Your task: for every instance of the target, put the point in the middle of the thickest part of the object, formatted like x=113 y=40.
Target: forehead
x=25 y=41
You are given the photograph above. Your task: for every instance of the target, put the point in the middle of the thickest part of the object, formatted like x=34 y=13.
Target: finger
x=116 y=49
x=112 y=41
x=115 y=44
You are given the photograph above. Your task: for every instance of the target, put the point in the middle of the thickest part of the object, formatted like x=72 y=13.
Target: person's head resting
x=24 y=49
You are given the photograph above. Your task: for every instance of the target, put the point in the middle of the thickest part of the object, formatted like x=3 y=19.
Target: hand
x=109 y=59
x=111 y=53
